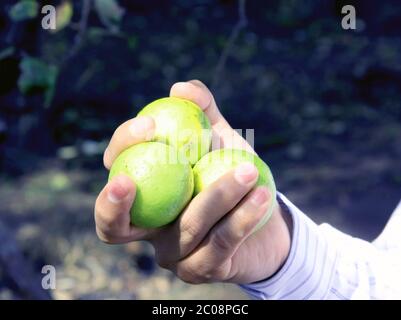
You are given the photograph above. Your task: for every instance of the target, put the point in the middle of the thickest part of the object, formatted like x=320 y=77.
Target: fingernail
x=117 y=192
x=245 y=173
x=113 y=198
x=141 y=127
x=260 y=196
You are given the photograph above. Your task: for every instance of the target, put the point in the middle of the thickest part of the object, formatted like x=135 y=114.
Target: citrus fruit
x=163 y=178
x=182 y=124
x=218 y=162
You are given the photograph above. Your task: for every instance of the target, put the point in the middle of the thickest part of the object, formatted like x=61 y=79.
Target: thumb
x=112 y=212
x=197 y=92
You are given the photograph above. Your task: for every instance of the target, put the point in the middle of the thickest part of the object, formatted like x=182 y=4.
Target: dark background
x=324 y=102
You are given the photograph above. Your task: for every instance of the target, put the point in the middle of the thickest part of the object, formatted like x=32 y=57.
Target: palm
x=258 y=249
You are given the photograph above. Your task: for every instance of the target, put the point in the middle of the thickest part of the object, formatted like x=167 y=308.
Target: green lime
x=164 y=182
x=218 y=162
x=182 y=124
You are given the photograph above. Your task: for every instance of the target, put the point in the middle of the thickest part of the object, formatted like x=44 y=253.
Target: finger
x=211 y=261
x=197 y=92
x=203 y=212
x=112 y=215
x=224 y=136
x=131 y=132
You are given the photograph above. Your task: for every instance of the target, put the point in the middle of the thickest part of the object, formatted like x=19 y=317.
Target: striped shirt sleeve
x=325 y=263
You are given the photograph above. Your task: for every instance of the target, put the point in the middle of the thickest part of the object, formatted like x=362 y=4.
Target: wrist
x=279 y=231
x=284 y=245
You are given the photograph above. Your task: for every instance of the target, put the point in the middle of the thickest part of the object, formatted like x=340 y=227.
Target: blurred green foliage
x=292 y=73
x=37 y=76
x=24 y=10
x=64 y=14
x=110 y=13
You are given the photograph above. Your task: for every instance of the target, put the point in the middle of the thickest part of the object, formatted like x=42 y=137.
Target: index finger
x=197 y=92
x=133 y=131
x=223 y=135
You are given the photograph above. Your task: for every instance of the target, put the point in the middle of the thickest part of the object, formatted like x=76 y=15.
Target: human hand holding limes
x=212 y=239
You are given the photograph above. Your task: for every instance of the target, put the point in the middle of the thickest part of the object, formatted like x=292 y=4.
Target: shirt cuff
x=309 y=268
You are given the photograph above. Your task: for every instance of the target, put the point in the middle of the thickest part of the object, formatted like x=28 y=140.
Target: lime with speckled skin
x=182 y=124
x=164 y=182
x=218 y=162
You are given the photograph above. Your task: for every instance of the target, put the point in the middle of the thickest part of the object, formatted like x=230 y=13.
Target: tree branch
x=82 y=28
x=241 y=23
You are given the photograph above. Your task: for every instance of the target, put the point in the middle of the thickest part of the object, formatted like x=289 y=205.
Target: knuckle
x=104 y=237
x=220 y=197
x=226 y=192
x=106 y=220
x=221 y=240
x=189 y=275
x=201 y=273
x=189 y=231
x=106 y=227
x=243 y=224
x=198 y=82
x=215 y=274
x=117 y=137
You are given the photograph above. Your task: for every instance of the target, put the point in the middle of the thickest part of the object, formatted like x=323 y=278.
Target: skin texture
x=164 y=183
x=212 y=239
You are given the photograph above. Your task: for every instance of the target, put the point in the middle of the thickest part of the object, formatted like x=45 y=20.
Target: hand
x=212 y=240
